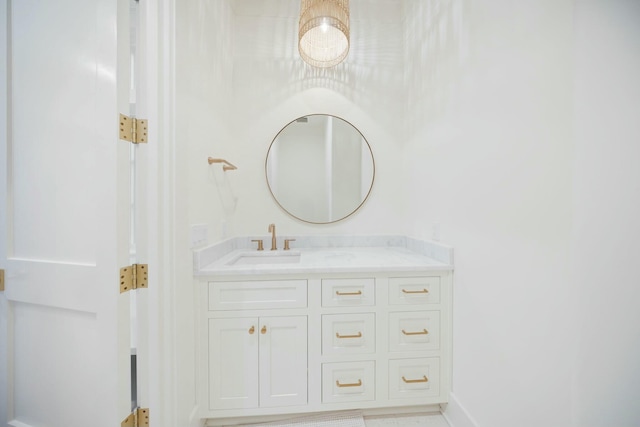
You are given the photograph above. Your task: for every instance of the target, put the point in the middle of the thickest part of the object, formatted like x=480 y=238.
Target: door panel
x=233 y=363
x=43 y=390
x=283 y=361
x=53 y=112
x=64 y=191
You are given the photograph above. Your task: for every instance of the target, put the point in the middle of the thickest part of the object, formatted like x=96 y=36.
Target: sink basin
x=265 y=258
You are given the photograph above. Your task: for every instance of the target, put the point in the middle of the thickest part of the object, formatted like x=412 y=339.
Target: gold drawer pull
x=424 y=379
x=348 y=293
x=422 y=332
x=263 y=330
x=358 y=335
x=423 y=291
x=358 y=384
x=252 y=330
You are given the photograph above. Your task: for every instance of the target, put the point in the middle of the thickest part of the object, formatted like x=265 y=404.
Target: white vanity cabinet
x=257 y=362
x=419 y=319
x=278 y=345
x=256 y=345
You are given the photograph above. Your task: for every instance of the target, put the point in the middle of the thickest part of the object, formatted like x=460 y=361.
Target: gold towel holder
x=226 y=167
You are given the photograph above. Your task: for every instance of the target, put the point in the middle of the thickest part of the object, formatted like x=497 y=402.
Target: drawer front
x=348 y=292
x=348 y=333
x=414 y=290
x=414 y=330
x=348 y=382
x=258 y=294
x=414 y=377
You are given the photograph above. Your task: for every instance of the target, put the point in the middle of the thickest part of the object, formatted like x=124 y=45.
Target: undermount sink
x=265 y=258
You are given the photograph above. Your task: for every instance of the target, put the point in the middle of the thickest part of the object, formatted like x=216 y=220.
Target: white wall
x=522 y=136
x=605 y=240
x=269 y=87
x=508 y=126
x=203 y=41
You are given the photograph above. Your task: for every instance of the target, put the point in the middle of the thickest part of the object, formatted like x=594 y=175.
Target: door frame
x=158 y=369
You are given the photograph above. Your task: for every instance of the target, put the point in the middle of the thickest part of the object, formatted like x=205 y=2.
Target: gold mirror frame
x=305 y=176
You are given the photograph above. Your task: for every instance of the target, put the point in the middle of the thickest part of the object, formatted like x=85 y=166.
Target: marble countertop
x=322 y=254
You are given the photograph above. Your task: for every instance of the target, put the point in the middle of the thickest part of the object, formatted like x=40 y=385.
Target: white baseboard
x=194 y=420
x=456 y=415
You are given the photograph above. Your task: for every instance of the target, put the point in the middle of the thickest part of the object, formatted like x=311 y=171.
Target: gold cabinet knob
x=252 y=330
x=263 y=330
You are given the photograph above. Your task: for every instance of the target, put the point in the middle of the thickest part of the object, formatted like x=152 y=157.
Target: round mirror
x=320 y=168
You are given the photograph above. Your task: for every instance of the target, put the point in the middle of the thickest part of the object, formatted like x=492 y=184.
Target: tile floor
x=354 y=419
x=431 y=420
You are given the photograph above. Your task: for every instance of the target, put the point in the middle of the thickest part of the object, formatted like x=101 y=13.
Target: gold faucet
x=286 y=243
x=272 y=230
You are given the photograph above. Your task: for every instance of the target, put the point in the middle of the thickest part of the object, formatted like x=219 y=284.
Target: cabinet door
x=283 y=361
x=233 y=363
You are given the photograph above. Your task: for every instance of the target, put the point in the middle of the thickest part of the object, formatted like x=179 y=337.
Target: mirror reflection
x=320 y=168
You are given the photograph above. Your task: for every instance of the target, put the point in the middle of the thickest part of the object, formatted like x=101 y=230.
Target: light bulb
x=324 y=27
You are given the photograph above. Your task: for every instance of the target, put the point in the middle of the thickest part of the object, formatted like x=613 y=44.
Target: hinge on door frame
x=1 y=280
x=133 y=277
x=138 y=418
x=132 y=129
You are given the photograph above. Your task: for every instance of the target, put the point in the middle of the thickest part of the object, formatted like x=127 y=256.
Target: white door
x=64 y=224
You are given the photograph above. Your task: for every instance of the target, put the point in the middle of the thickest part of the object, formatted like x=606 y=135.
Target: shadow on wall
x=286 y=79
x=204 y=72
x=268 y=70
x=437 y=48
x=223 y=184
x=404 y=66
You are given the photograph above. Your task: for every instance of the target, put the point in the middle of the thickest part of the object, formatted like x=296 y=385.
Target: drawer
x=414 y=377
x=414 y=330
x=348 y=333
x=414 y=290
x=348 y=292
x=257 y=294
x=348 y=382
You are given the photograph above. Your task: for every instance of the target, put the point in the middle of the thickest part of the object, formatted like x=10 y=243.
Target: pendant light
x=323 y=32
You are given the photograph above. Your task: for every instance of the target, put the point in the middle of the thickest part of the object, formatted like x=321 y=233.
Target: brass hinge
x=132 y=129
x=138 y=418
x=1 y=280
x=133 y=277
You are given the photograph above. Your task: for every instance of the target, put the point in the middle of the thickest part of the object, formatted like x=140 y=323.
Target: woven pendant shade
x=323 y=32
